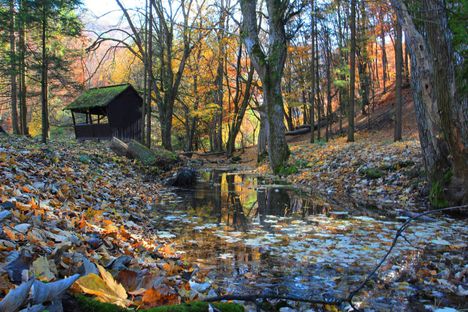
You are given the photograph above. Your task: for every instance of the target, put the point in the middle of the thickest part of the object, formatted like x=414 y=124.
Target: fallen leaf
x=104 y=287
x=41 y=269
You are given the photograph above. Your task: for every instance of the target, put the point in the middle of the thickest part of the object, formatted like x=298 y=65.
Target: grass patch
x=287 y=170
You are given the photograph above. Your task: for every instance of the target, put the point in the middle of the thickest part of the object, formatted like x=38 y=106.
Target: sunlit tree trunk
x=398 y=83
x=384 y=52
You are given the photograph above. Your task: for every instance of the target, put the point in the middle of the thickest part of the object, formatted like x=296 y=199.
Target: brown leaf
x=163 y=295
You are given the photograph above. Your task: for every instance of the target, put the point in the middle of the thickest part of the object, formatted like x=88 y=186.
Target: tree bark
x=22 y=68
x=441 y=111
x=270 y=70
x=44 y=76
x=384 y=52
x=150 y=76
x=262 y=137
x=398 y=83
x=352 y=73
x=312 y=73
x=219 y=81
x=13 y=71
x=329 y=78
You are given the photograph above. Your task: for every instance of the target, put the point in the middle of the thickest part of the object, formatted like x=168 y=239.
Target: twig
x=254 y=298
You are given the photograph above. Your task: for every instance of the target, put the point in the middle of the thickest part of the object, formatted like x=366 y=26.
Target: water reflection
x=237 y=201
x=250 y=235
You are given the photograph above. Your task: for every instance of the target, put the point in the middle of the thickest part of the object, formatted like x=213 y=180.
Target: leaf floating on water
x=440 y=242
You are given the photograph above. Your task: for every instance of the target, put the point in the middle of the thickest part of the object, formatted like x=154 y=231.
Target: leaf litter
x=100 y=226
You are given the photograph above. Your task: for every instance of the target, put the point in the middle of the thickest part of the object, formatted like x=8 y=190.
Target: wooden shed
x=106 y=112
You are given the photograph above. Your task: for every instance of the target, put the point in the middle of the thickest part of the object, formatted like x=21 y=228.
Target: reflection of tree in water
x=219 y=199
x=235 y=211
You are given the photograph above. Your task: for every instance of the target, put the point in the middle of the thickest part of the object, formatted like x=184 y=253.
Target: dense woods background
x=221 y=75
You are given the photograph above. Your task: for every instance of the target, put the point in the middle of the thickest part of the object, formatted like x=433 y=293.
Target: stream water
x=249 y=235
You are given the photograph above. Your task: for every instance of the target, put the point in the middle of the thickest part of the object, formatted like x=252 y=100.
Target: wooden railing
x=97 y=131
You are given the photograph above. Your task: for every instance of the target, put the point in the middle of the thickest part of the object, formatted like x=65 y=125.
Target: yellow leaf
x=104 y=287
x=42 y=270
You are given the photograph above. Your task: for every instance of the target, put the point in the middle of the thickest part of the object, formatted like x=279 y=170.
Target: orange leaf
x=9 y=233
x=161 y=296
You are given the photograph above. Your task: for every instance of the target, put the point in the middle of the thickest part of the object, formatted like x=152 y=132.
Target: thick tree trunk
x=262 y=137
x=278 y=151
x=442 y=113
x=398 y=83
x=270 y=70
x=13 y=71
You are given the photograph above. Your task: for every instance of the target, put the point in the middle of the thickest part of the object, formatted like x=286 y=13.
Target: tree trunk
x=270 y=70
x=239 y=110
x=352 y=73
x=44 y=78
x=219 y=94
x=262 y=137
x=441 y=111
x=384 y=52
x=363 y=66
x=398 y=83
x=278 y=151
x=312 y=72
x=150 y=76
x=329 y=78
x=317 y=90
x=146 y=86
x=22 y=69
x=13 y=71
x=166 y=128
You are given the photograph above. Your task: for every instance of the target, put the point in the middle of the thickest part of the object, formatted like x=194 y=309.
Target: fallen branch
x=254 y=298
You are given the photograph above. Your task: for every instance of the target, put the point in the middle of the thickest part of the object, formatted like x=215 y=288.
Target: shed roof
x=98 y=97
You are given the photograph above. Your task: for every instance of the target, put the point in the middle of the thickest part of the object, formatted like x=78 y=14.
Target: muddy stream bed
x=248 y=235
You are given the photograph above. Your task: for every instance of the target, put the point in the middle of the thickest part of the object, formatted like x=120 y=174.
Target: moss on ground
x=90 y=305
x=372 y=173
